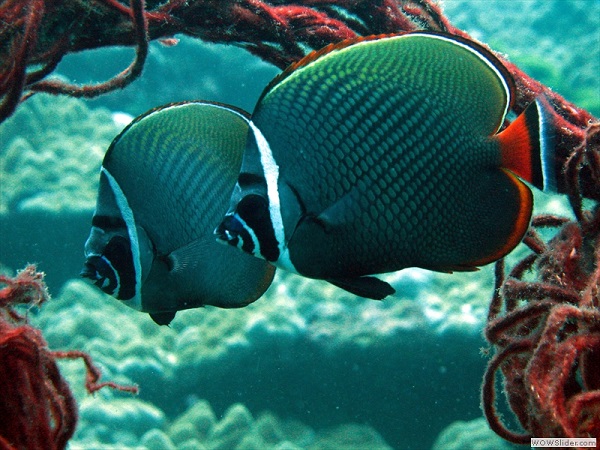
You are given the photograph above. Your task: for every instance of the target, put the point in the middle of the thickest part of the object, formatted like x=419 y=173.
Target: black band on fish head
x=250 y=228
x=108 y=223
x=113 y=271
x=233 y=231
x=101 y=272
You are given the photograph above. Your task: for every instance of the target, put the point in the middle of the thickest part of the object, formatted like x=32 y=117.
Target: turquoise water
x=307 y=365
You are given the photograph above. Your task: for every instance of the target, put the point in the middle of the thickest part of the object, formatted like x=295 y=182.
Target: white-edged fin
x=127 y=215
x=271 y=171
x=481 y=56
x=455 y=40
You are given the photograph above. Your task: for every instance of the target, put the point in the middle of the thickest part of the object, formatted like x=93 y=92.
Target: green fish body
x=384 y=153
x=164 y=184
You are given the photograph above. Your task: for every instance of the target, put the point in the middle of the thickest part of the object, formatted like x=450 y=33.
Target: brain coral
x=306 y=351
x=127 y=423
x=50 y=154
x=472 y=435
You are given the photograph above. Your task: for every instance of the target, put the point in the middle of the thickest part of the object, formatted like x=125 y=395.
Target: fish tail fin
x=528 y=146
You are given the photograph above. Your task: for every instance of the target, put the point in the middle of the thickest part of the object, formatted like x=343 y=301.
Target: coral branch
x=93 y=373
x=13 y=78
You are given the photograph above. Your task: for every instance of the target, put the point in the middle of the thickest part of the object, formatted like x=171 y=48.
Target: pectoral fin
x=188 y=257
x=338 y=214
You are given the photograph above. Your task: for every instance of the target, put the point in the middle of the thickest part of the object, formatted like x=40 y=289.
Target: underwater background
x=308 y=365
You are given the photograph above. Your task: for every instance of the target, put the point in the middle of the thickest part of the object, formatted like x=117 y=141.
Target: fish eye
x=252 y=208
x=234 y=226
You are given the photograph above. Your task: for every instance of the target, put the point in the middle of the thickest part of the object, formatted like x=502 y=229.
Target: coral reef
x=306 y=361
x=304 y=352
x=50 y=156
x=134 y=423
x=50 y=153
x=472 y=435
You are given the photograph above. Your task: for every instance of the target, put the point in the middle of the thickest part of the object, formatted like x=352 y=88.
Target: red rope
x=547 y=332
x=37 y=409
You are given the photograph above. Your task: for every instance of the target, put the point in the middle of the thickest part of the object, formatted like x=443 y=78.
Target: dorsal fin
x=488 y=55
x=158 y=109
x=316 y=54
x=482 y=52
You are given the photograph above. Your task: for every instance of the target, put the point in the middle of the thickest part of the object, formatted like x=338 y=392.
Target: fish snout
x=101 y=273
x=228 y=231
x=89 y=271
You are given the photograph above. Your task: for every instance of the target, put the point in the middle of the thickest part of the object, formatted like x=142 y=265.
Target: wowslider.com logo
x=563 y=442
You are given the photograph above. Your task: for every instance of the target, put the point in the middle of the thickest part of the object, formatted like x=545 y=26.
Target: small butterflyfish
x=388 y=152
x=164 y=184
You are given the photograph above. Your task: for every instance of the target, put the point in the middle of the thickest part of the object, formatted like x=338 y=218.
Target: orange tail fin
x=528 y=146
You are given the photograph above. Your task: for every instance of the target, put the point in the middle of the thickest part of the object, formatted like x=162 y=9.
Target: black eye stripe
x=118 y=252
x=107 y=222
x=246 y=179
x=254 y=210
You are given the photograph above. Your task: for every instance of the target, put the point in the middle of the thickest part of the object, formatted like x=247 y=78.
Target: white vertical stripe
x=255 y=243
x=271 y=172
x=548 y=171
x=127 y=213
x=115 y=271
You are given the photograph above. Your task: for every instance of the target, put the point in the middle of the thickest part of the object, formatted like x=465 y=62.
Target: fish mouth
x=89 y=271
x=101 y=274
x=226 y=232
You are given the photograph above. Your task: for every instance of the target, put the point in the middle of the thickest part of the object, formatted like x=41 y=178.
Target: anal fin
x=452 y=269
x=163 y=318
x=367 y=287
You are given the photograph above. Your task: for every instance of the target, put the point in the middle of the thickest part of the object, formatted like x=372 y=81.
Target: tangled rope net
x=546 y=328
x=38 y=409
